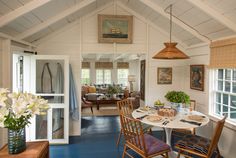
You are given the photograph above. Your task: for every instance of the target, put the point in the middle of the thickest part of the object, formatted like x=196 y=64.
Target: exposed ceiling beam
x=16 y=40
x=150 y=23
x=161 y=11
x=213 y=13
x=68 y=26
x=5 y=19
x=54 y=19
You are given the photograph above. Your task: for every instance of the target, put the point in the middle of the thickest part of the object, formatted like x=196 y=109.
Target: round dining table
x=180 y=121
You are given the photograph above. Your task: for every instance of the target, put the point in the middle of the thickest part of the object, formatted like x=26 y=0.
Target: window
x=122 y=75
x=85 y=76
x=224 y=93
x=103 y=76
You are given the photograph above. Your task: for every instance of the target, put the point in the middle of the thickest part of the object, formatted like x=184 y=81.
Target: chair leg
x=150 y=131
x=218 y=152
x=178 y=154
x=167 y=155
x=123 y=155
x=118 y=139
x=92 y=110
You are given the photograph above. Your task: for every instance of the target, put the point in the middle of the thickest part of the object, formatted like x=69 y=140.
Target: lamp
x=131 y=78
x=170 y=51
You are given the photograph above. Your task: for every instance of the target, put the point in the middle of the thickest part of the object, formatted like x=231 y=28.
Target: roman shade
x=223 y=54
x=122 y=65
x=85 y=65
x=104 y=65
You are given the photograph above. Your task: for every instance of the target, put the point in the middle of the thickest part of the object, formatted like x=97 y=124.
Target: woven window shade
x=223 y=54
x=85 y=65
x=122 y=65
x=104 y=65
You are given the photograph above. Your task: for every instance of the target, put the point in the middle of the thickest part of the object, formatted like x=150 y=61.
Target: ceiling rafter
x=5 y=19
x=54 y=19
x=3 y=35
x=131 y=11
x=68 y=26
x=161 y=11
x=214 y=14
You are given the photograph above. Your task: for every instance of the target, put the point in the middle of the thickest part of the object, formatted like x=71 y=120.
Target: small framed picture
x=164 y=75
x=197 y=77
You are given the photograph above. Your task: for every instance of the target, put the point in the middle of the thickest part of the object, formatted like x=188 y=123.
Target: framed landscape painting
x=197 y=77
x=115 y=29
x=164 y=75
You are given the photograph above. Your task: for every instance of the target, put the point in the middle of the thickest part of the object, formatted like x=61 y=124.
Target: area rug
x=103 y=111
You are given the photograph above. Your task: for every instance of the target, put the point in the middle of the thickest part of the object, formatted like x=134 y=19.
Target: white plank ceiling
x=189 y=15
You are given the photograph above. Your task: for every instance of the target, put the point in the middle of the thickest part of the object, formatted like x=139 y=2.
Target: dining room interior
x=172 y=62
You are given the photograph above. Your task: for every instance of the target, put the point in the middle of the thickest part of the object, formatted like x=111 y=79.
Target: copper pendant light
x=170 y=51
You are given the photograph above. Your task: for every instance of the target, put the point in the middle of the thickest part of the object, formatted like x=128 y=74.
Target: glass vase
x=16 y=141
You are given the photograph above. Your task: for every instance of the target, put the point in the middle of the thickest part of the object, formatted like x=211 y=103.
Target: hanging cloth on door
x=46 y=81
x=59 y=89
x=74 y=110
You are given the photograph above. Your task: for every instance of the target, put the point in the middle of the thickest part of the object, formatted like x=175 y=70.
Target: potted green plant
x=113 y=90
x=178 y=98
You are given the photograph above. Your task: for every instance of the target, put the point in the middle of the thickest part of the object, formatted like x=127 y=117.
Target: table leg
x=97 y=105
x=168 y=135
x=168 y=132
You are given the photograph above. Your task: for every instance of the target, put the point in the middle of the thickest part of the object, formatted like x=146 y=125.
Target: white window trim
x=212 y=83
x=103 y=74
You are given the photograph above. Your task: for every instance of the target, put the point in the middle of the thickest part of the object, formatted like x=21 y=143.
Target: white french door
x=47 y=76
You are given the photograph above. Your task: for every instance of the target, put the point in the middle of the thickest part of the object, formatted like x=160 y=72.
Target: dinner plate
x=196 y=117
x=154 y=118
x=144 y=109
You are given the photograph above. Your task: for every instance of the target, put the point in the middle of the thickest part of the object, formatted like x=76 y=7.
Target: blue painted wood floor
x=98 y=140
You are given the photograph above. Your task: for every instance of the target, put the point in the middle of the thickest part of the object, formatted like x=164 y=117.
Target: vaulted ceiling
x=194 y=21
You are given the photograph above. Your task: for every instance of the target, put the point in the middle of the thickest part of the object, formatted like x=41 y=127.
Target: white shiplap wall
x=0 y=62
x=200 y=55
x=1 y=130
x=146 y=39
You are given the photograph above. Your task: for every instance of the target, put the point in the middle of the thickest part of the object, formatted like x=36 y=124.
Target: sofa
x=92 y=92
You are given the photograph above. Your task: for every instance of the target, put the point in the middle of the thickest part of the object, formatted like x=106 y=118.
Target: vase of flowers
x=16 y=110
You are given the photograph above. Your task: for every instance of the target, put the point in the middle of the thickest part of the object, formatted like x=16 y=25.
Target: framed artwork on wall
x=115 y=28
x=164 y=75
x=197 y=77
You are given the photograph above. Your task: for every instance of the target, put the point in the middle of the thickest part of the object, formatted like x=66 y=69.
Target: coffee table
x=98 y=101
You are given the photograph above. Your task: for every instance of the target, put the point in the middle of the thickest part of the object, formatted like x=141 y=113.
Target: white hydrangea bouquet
x=16 y=109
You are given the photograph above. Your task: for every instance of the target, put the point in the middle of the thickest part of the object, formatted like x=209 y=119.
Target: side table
x=39 y=149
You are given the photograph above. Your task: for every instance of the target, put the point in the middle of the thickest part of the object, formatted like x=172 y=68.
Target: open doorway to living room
x=108 y=78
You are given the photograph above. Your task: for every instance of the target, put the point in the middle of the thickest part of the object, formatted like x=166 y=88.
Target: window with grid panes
x=122 y=75
x=103 y=76
x=85 y=76
x=224 y=90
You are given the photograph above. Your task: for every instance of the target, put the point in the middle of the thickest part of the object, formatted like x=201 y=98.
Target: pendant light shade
x=170 y=51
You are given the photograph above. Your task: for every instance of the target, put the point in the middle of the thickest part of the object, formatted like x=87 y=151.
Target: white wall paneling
x=81 y=37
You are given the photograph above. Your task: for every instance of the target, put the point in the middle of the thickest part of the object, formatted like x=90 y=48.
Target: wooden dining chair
x=145 y=145
x=180 y=132
x=196 y=145
x=125 y=107
x=86 y=104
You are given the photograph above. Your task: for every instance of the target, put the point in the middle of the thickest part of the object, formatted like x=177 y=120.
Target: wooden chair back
x=133 y=133
x=216 y=136
x=125 y=107
x=193 y=104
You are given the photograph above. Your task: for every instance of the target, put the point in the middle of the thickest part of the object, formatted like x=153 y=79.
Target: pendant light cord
x=170 y=12
x=170 y=21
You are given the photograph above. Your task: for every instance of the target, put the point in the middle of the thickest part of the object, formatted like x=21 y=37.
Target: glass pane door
x=51 y=82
